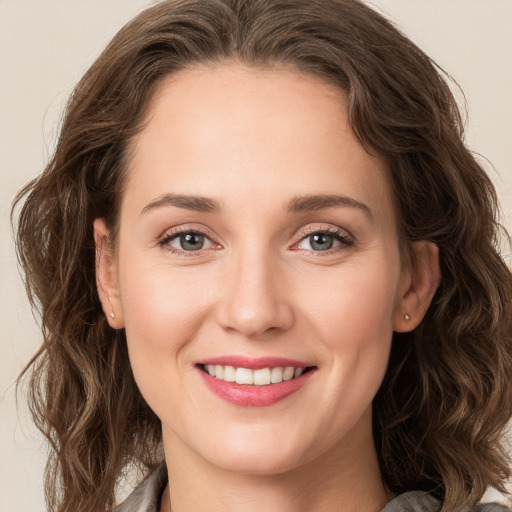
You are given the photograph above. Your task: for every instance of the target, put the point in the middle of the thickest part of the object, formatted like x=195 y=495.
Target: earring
x=407 y=317
x=112 y=314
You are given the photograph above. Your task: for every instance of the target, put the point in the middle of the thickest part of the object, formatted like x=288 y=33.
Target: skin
x=252 y=141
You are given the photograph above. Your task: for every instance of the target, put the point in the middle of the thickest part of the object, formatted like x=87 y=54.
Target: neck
x=346 y=478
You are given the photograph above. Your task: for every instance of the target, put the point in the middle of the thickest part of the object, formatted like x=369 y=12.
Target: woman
x=263 y=254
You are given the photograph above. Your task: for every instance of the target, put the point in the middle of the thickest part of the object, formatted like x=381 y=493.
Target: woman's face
x=256 y=234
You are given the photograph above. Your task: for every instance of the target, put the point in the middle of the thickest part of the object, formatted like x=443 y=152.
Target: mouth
x=254 y=377
x=259 y=382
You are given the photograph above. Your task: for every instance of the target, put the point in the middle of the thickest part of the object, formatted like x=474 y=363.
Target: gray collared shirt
x=146 y=498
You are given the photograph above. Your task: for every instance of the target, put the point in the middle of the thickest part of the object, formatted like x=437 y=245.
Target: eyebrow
x=320 y=202
x=196 y=203
x=296 y=205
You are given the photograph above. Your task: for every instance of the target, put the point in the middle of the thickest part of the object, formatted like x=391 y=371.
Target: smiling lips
x=254 y=382
x=260 y=377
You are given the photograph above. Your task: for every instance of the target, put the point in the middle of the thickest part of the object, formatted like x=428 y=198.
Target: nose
x=255 y=297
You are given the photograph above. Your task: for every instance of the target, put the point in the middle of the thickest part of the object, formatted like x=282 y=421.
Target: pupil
x=192 y=241
x=321 y=242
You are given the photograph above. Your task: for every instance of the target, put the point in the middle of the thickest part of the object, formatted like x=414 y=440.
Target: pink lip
x=255 y=363
x=254 y=396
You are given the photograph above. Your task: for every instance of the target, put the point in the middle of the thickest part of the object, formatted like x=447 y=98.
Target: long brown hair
x=442 y=407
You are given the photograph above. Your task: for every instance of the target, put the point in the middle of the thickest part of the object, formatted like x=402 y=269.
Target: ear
x=106 y=276
x=419 y=284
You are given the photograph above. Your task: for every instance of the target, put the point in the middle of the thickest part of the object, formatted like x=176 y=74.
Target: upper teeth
x=261 y=377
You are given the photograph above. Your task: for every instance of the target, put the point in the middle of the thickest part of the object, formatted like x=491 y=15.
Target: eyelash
x=339 y=235
x=175 y=233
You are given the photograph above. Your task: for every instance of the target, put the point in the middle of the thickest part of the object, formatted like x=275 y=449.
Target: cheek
x=351 y=317
x=355 y=303
x=353 y=321
x=163 y=310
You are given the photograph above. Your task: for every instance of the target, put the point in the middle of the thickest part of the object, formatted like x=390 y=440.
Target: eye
x=321 y=241
x=188 y=241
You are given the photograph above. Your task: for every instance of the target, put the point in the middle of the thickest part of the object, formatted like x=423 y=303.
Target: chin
x=259 y=465
x=248 y=457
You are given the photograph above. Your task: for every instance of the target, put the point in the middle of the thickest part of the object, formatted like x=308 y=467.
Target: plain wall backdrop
x=46 y=45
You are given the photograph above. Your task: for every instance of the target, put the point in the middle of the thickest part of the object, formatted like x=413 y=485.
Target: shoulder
x=146 y=496
x=489 y=507
x=413 y=501
x=419 y=501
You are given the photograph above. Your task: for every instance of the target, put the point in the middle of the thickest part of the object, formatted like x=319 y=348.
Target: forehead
x=231 y=131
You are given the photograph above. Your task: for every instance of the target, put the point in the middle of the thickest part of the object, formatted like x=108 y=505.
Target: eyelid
x=173 y=232
x=323 y=228
x=344 y=236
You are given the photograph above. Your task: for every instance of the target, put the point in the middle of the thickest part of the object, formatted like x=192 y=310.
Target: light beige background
x=45 y=46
